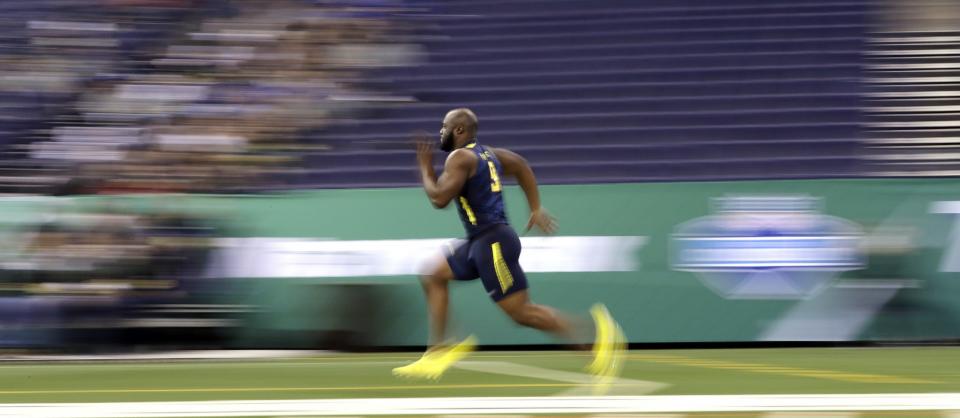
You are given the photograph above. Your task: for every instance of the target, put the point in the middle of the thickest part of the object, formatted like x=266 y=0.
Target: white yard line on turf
x=629 y=416
x=620 y=386
x=490 y=405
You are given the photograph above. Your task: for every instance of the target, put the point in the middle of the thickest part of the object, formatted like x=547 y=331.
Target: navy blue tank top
x=480 y=202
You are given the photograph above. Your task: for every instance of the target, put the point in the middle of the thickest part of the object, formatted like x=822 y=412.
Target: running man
x=472 y=178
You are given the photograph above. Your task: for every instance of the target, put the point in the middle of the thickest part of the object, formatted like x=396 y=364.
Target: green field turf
x=670 y=372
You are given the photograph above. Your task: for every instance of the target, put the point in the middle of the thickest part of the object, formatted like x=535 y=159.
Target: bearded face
x=446 y=140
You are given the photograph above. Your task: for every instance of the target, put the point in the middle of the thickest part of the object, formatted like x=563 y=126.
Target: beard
x=446 y=141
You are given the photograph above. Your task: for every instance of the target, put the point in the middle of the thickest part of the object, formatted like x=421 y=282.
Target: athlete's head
x=459 y=129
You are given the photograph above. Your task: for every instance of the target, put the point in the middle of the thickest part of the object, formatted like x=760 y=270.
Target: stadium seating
x=624 y=90
x=587 y=90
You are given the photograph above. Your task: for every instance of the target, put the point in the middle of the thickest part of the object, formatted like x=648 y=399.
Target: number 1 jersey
x=480 y=202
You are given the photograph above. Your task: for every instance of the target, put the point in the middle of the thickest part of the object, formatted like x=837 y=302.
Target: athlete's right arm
x=456 y=170
x=516 y=166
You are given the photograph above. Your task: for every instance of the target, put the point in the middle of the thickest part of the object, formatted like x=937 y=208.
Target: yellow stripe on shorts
x=500 y=265
x=466 y=208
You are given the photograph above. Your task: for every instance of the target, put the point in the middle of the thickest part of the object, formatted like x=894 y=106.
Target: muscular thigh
x=496 y=256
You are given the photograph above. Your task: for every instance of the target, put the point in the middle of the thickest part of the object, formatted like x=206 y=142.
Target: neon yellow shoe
x=602 y=345
x=424 y=368
x=609 y=346
x=458 y=352
x=608 y=350
x=435 y=362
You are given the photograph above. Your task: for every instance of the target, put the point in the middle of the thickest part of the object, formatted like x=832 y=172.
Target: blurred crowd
x=106 y=97
x=121 y=96
x=100 y=276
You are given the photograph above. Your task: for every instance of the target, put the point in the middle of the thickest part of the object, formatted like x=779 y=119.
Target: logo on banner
x=767 y=247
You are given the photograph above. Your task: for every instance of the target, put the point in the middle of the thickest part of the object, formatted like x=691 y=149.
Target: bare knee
x=433 y=281
x=437 y=276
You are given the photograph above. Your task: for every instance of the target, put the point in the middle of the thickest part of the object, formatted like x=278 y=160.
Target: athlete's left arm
x=516 y=166
x=455 y=173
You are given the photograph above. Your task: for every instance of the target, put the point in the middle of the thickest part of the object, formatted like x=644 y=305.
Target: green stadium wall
x=905 y=289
